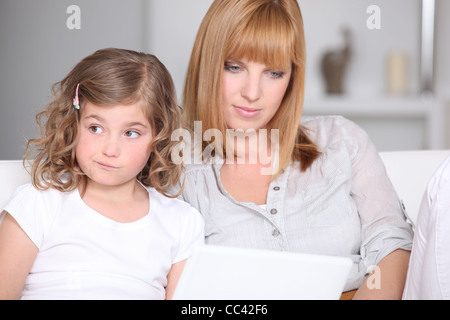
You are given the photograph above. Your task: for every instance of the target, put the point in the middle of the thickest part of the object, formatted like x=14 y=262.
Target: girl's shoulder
x=29 y=193
x=168 y=206
x=35 y=210
x=174 y=214
x=42 y=203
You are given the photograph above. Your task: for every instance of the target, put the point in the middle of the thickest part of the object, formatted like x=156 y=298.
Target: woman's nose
x=252 y=88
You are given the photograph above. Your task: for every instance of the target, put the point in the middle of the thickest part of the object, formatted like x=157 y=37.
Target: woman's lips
x=247 y=112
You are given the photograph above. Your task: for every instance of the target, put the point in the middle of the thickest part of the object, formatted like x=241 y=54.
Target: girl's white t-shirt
x=84 y=255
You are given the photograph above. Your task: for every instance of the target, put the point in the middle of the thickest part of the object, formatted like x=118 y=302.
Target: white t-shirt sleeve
x=192 y=234
x=31 y=209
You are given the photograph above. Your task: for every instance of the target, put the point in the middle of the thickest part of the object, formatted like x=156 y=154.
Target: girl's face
x=114 y=143
x=252 y=93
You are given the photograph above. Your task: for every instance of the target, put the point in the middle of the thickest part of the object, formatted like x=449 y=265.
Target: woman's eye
x=132 y=134
x=95 y=129
x=276 y=75
x=232 y=68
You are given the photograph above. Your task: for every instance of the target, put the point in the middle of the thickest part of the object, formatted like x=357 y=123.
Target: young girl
x=94 y=224
x=328 y=192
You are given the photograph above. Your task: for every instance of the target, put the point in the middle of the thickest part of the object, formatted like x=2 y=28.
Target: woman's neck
x=252 y=148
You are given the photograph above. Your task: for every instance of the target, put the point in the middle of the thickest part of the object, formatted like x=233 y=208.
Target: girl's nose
x=111 y=147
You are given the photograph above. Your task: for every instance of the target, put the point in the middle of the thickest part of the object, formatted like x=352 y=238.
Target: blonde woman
x=96 y=222
x=318 y=187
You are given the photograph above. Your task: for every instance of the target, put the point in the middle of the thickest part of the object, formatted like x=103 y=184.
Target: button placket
x=275 y=202
x=273 y=210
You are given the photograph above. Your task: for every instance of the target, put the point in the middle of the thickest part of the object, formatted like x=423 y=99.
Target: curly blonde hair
x=107 y=77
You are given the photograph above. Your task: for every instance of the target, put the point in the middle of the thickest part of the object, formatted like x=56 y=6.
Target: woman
x=317 y=188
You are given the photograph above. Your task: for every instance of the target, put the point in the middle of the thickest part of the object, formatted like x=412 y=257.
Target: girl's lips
x=105 y=165
x=247 y=112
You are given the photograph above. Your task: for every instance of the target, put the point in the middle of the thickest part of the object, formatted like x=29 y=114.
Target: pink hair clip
x=76 y=101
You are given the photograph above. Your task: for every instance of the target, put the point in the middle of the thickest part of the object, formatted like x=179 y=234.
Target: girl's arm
x=387 y=281
x=17 y=254
x=173 y=277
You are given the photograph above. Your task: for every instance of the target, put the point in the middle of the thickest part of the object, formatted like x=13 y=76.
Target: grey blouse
x=343 y=205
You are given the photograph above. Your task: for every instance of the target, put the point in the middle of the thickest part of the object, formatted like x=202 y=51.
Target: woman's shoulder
x=330 y=130
x=205 y=166
x=201 y=172
x=328 y=123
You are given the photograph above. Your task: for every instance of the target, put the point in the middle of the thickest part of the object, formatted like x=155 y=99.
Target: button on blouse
x=343 y=205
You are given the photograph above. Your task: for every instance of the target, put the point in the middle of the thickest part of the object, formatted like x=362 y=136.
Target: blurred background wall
x=37 y=49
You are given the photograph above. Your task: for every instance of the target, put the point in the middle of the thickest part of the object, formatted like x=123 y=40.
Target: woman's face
x=252 y=93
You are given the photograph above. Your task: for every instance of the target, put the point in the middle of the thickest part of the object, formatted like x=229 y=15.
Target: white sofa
x=12 y=175
x=410 y=172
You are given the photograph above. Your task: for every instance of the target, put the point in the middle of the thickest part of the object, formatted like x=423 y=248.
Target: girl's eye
x=95 y=129
x=132 y=134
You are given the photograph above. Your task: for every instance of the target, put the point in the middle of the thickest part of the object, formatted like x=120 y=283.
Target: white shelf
x=378 y=109
x=392 y=107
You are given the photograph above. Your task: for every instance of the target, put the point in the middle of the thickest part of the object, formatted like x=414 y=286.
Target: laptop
x=229 y=273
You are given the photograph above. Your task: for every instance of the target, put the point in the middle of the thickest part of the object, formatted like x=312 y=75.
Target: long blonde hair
x=106 y=77
x=266 y=31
